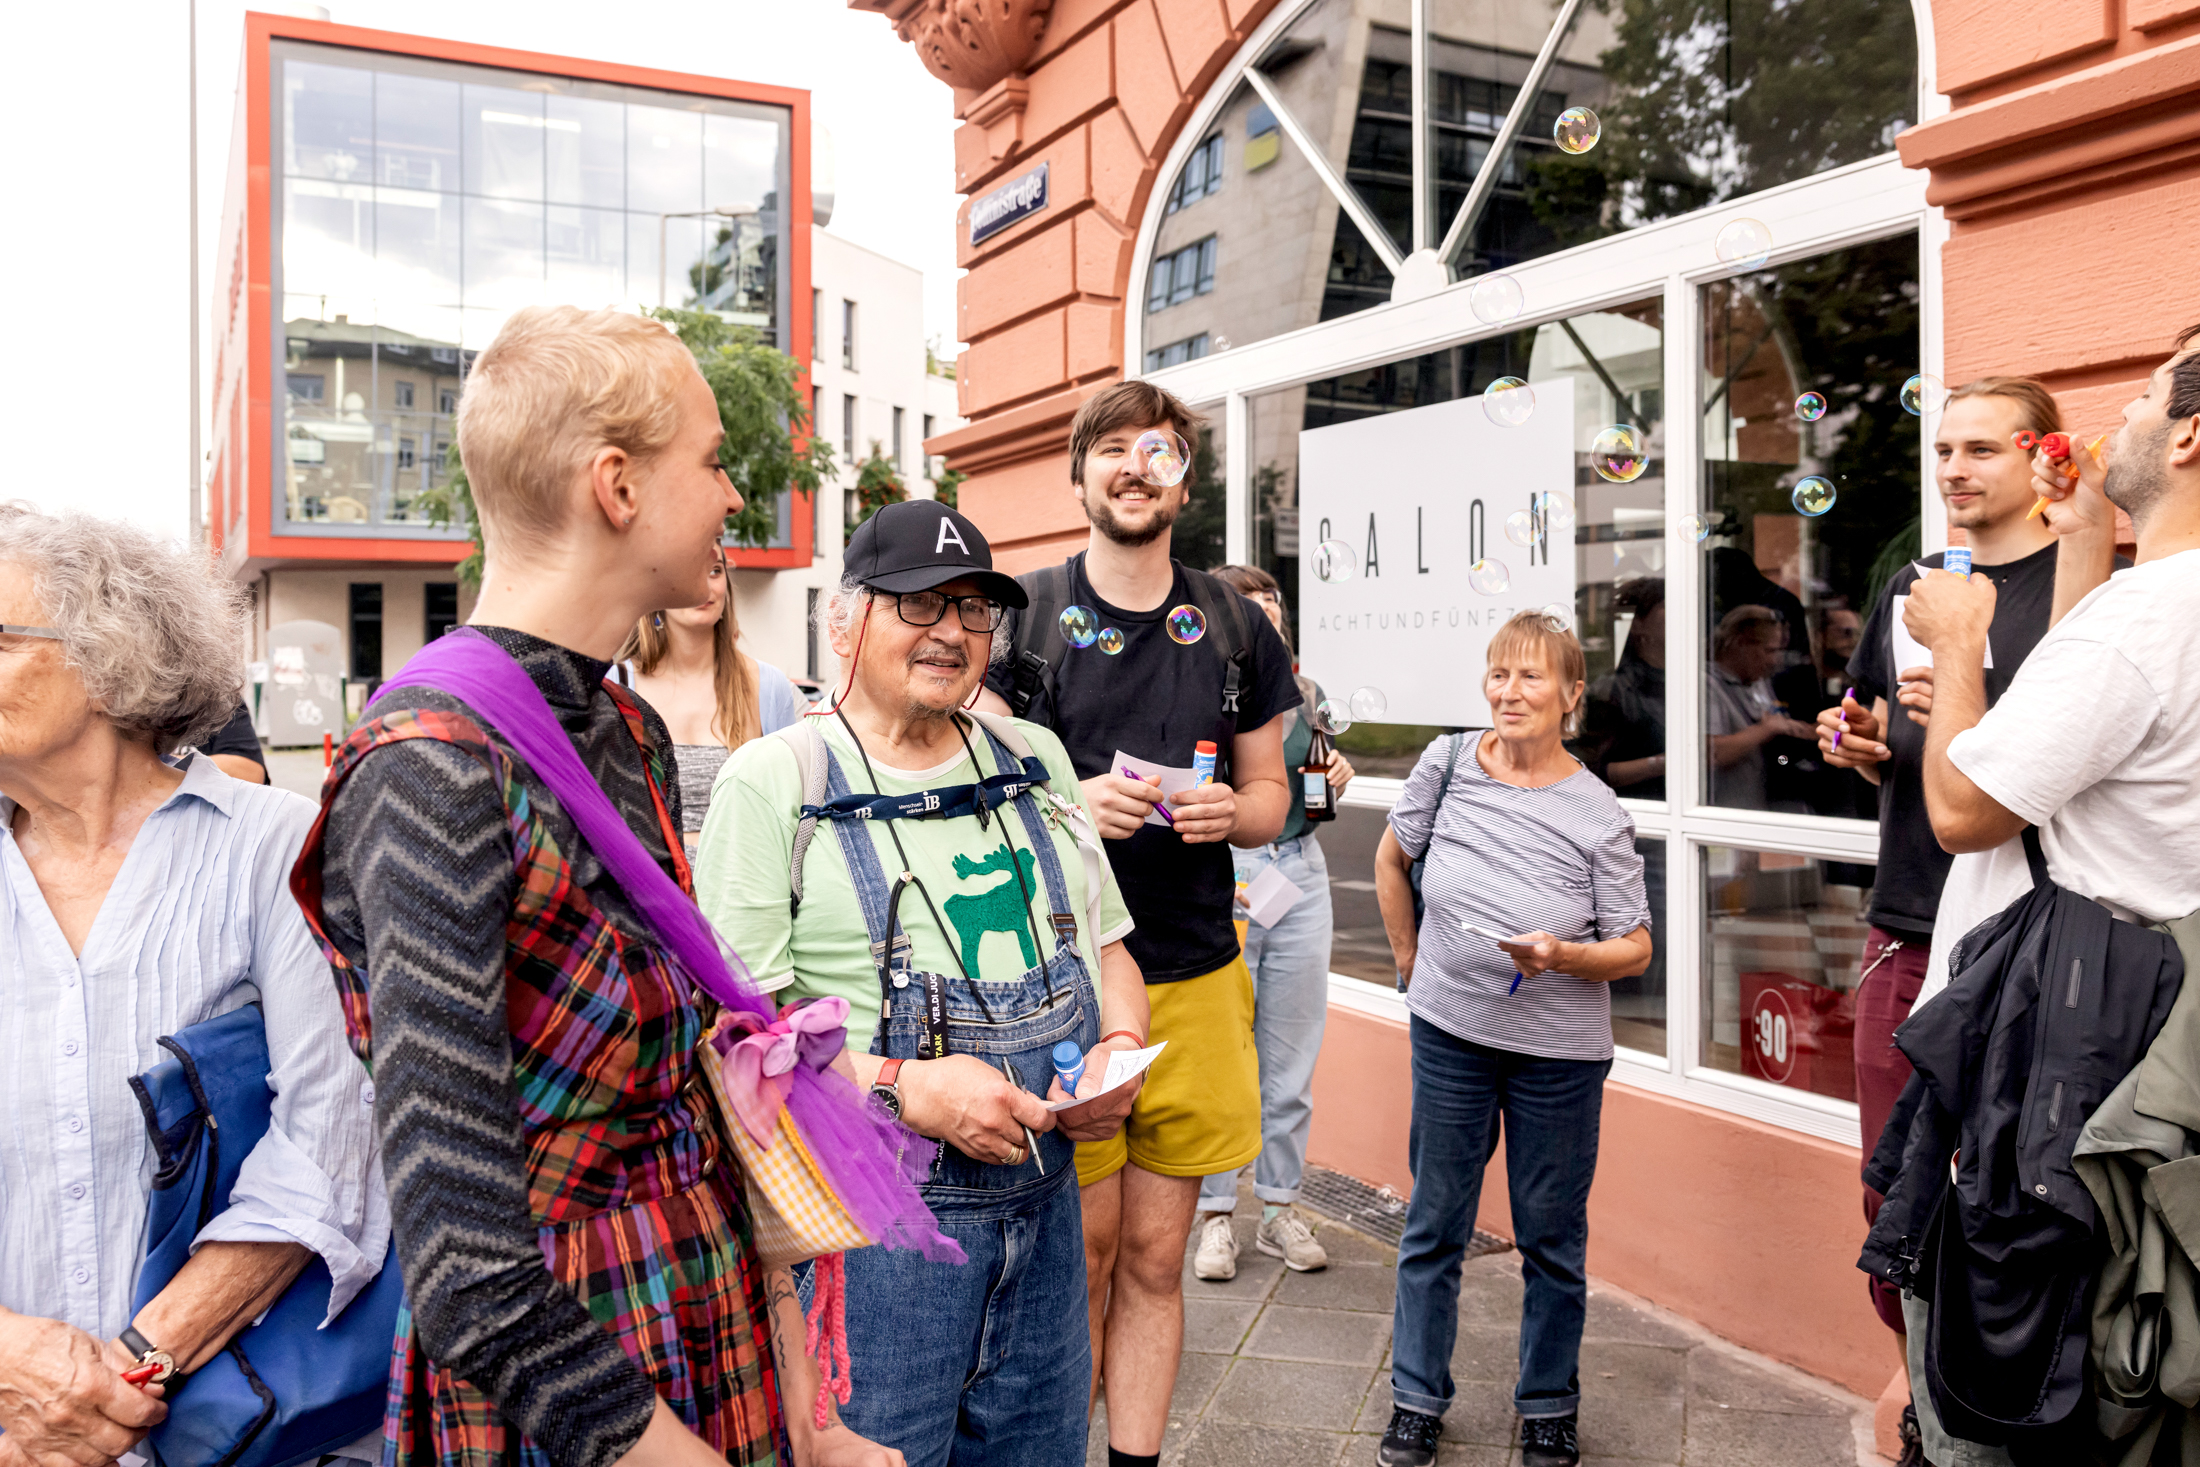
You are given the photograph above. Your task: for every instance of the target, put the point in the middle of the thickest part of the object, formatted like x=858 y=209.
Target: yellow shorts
x=1199 y=1112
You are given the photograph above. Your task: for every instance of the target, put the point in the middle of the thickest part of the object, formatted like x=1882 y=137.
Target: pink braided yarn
x=825 y=1334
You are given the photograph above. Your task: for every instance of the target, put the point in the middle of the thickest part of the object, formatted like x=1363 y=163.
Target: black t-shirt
x=1154 y=700
x=1912 y=866
x=236 y=737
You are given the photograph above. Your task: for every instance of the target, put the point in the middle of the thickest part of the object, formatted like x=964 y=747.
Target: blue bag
x=285 y=1390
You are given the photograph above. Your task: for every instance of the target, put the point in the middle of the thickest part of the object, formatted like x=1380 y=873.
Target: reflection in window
x=1179 y=276
x=1201 y=537
x=1788 y=589
x=1638 y=1003
x=1202 y=175
x=1191 y=349
x=1784 y=936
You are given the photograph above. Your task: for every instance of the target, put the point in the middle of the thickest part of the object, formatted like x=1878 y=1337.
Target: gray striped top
x=1560 y=859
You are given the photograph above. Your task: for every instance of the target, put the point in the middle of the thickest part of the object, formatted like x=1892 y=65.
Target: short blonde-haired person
x=138 y=898
x=1534 y=902
x=578 y=1265
x=686 y=663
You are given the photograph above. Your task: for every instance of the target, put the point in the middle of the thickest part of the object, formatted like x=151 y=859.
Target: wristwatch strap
x=888 y=1075
x=148 y=1353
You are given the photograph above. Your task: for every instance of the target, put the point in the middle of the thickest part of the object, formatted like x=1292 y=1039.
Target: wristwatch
x=886 y=1089
x=148 y=1353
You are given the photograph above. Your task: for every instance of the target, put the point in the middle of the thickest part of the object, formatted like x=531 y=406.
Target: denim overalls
x=987 y=1361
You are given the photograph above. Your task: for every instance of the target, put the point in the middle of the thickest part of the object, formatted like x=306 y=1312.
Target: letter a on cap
x=948 y=532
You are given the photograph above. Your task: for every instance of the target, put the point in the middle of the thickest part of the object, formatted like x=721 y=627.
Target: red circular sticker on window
x=1771 y=1036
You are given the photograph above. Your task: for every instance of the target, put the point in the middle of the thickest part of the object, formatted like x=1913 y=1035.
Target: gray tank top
x=698 y=766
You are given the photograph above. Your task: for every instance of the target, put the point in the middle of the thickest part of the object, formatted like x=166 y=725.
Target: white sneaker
x=1287 y=1237
x=1218 y=1249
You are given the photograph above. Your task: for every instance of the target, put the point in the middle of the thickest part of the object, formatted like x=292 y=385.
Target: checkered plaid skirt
x=675 y=1281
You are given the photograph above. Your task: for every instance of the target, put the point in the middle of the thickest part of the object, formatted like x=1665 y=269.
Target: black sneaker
x=1549 y=1441
x=1410 y=1440
x=1913 y=1441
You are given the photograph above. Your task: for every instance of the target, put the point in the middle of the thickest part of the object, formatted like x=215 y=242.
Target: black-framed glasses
x=925 y=608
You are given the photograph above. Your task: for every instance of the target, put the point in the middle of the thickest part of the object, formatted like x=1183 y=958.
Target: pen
x=1838 y=732
x=1161 y=809
x=1516 y=984
x=1029 y=1139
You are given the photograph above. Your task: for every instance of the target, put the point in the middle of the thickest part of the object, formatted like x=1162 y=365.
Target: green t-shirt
x=748 y=838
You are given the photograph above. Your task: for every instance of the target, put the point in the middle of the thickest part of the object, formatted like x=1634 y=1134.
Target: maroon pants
x=1883 y=1000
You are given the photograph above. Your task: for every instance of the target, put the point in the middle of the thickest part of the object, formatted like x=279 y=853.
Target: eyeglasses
x=925 y=608
x=13 y=630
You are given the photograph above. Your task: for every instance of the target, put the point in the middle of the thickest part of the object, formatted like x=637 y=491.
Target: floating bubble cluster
x=1556 y=510
x=1160 y=457
x=1187 y=624
x=1508 y=402
x=1576 y=130
x=1810 y=407
x=1813 y=497
x=1369 y=704
x=1111 y=640
x=1496 y=298
x=1079 y=625
x=1693 y=528
x=1521 y=528
x=1335 y=562
x=1489 y=577
x=1924 y=394
x=1618 y=453
x=1744 y=242
x=1332 y=717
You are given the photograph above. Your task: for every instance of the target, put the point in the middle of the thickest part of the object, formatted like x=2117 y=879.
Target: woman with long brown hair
x=687 y=664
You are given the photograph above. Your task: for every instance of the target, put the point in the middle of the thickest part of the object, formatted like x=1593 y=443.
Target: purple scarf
x=870 y=1161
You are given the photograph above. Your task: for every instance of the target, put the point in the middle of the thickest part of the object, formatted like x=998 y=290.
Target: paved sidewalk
x=1284 y=1368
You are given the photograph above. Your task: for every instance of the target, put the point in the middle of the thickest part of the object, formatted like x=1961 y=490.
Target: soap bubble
x=1618 y=453
x=1563 y=615
x=1924 y=394
x=1160 y=457
x=1744 y=242
x=1693 y=528
x=1496 y=299
x=1332 y=717
x=1813 y=497
x=1508 y=402
x=1521 y=528
x=1079 y=625
x=1557 y=513
x=1810 y=407
x=1187 y=625
x=1369 y=704
x=1111 y=640
x=1577 y=130
x=1490 y=577
x=1335 y=562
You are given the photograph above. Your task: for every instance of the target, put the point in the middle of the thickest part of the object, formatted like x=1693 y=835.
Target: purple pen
x=1838 y=732
x=1162 y=809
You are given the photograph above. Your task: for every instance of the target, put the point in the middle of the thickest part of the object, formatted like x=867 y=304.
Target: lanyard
x=952 y=802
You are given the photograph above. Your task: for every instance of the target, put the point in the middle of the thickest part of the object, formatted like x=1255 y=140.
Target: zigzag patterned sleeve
x=421 y=830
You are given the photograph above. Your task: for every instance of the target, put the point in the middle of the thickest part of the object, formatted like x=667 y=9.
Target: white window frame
x=1673 y=259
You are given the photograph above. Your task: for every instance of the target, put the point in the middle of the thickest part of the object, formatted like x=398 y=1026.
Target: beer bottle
x=1314 y=779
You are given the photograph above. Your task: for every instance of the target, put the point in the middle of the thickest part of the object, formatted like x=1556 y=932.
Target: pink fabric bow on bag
x=760 y=1065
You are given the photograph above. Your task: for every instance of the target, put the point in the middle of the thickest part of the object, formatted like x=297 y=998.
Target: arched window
x=1381 y=209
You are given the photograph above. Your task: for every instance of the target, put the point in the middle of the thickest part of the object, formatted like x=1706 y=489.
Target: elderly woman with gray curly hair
x=140 y=896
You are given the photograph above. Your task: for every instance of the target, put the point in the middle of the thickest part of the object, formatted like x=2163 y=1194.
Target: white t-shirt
x=2097 y=742
x=1980 y=884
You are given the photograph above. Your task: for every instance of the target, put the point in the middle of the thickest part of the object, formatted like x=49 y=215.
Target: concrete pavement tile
x=1341 y=1243
x=1196 y=1378
x=1289 y=1393
x=1364 y=1286
x=1614 y=1368
x=1489 y=1289
x=1715 y=1380
x=1609 y=1319
x=1217 y=1326
x=1469 y=1454
x=1481 y=1413
x=1326 y=1336
x=1256 y=1275
x=1236 y=1444
x=1768 y=1439
x=1486 y=1354
x=1643 y=1427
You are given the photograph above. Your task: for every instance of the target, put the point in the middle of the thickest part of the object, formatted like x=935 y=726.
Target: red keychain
x=139 y=1375
x=2056 y=446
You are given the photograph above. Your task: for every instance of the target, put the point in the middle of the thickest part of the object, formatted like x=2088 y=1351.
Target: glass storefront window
x=1803 y=367
x=1783 y=939
x=422 y=202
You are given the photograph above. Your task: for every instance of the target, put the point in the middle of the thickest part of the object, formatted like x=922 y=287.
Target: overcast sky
x=94 y=388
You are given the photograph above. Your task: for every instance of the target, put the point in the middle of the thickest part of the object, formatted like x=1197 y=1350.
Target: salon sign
x=1418 y=498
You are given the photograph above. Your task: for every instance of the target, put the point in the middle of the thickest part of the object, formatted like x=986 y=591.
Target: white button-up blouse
x=199 y=921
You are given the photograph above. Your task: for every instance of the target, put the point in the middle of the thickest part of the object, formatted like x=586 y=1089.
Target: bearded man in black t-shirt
x=1987 y=483
x=1126 y=652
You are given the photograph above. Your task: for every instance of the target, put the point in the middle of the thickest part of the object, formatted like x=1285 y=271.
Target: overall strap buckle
x=1065 y=928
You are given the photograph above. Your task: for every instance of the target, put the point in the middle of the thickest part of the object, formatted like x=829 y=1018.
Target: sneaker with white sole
x=1286 y=1236
x=1216 y=1259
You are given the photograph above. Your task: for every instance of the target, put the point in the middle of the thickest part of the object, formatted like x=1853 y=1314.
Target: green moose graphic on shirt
x=1000 y=909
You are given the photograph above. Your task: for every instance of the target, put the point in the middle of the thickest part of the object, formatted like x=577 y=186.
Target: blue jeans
x=981 y=1362
x=1290 y=967
x=1551 y=1108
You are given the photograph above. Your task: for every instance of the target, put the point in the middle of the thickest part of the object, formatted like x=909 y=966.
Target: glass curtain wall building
x=418 y=202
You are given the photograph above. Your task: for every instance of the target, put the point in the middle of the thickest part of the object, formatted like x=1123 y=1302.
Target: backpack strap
x=1443 y=788
x=1225 y=611
x=808 y=747
x=1049 y=590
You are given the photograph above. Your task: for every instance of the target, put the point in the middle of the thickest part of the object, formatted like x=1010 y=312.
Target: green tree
x=877 y=485
x=769 y=446
x=948 y=487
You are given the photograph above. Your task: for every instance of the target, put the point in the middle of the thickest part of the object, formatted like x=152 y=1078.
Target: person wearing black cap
x=955 y=897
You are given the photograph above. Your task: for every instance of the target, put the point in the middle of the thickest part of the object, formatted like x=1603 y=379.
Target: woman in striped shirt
x=1534 y=902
